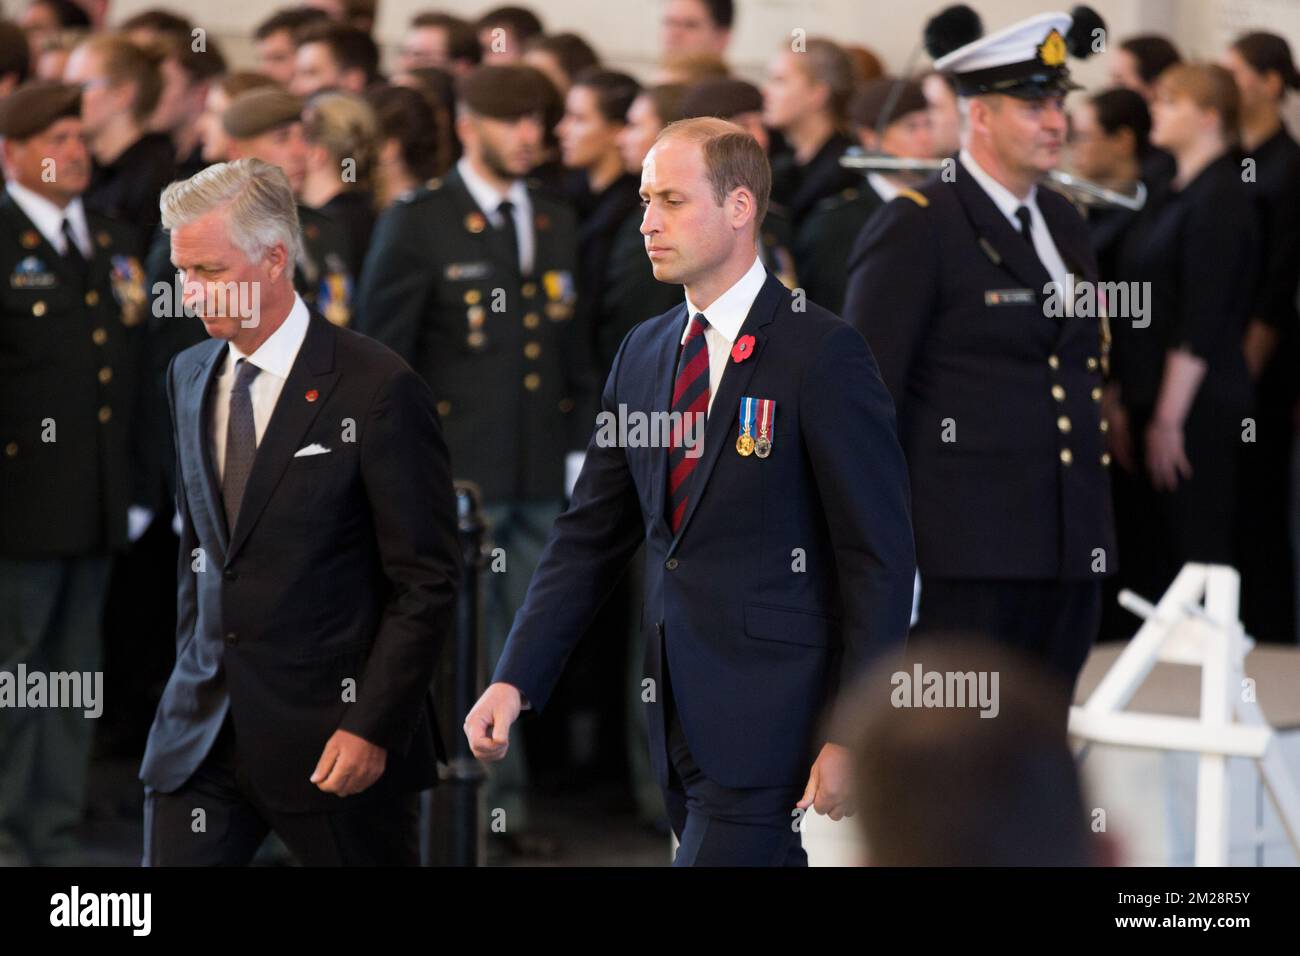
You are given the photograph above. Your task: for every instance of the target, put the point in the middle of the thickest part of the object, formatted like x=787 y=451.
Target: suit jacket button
x=99 y=336
x=92 y=297
x=1053 y=361
x=232 y=638
x=671 y=564
x=1058 y=393
x=11 y=450
x=105 y=414
x=1067 y=456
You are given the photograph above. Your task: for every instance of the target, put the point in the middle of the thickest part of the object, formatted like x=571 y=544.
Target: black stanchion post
x=452 y=825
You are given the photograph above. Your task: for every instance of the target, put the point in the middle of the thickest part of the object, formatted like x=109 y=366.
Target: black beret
x=868 y=103
x=723 y=97
x=505 y=92
x=34 y=106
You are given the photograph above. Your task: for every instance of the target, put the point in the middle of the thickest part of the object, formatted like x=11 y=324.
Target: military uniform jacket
x=822 y=246
x=69 y=390
x=322 y=275
x=503 y=353
x=998 y=401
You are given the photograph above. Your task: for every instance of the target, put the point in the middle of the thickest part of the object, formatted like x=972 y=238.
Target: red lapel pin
x=312 y=395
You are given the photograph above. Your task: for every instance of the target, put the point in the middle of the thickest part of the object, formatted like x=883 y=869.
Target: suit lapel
x=313 y=370
x=195 y=432
x=1012 y=251
x=1074 y=258
x=735 y=379
x=665 y=369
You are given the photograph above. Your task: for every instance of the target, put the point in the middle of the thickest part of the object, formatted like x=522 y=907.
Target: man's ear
x=277 y=261
x=741 y=207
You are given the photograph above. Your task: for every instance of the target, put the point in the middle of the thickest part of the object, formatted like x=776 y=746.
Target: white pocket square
x=312 y=449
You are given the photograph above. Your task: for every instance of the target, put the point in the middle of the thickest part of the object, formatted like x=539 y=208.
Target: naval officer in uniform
x=999 y=400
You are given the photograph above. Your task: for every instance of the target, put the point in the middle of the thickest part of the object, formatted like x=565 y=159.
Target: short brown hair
x=1211 y=87
x=732 y=158
x=824 y=61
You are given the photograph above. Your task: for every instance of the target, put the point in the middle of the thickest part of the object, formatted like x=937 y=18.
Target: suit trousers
x=725 y=826
x=234 y=822
x=50 y=621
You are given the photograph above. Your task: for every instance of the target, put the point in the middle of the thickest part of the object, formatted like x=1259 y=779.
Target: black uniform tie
x=508 y=231
x=71 y=251
x=1026 y=225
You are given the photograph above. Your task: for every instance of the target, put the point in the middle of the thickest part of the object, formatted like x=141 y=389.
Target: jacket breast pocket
x=789 y=626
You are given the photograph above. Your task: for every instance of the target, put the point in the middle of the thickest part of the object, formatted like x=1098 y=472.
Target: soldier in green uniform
x=471 y=280
x=69 y=338
x=266 y=124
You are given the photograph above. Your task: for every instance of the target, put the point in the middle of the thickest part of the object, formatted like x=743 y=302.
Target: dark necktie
x=1026 y=225
x=71 y=251
x=690 y=398
x=241 y=441
x=508 y=231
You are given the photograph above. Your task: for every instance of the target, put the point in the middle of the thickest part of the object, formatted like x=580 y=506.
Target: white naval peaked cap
x=1026 y=59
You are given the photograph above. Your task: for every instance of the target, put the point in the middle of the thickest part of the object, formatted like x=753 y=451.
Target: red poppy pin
x=312 y=395
x=743 y=348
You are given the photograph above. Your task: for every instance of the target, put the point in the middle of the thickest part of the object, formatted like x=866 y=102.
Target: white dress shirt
x=48 y=219
x=1008 y=203
x=489 y=199
x=726 y=315
x=275 y=358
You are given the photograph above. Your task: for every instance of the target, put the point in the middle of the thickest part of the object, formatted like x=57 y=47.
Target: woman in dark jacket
x=1181 y=395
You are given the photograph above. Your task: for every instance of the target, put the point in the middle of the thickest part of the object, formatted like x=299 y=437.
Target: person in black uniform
x=1181 y=392
x=472 y=281
x=1110 y=140
x=342 y=137
x=805 y=97
x=120 y=84
x=823 y=242
x=188 y=75
x=632 y=293
x=998 y=399
x=1264 y=71
x=741 y=103
x=266 y=124
x=594 y=116
x=69 y=341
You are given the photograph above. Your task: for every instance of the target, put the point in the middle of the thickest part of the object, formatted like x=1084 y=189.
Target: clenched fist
x=487 y=726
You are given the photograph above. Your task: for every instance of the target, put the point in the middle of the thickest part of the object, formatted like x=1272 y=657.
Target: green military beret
x=34 y=106
x=260 y=110
x=869 y=102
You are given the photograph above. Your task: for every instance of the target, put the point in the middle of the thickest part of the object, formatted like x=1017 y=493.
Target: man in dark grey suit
x=318 y=560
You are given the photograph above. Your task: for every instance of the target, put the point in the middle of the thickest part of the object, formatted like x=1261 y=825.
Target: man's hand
x=1166 y=459
x=348 y=764
x=828 y=784
x=487 y=726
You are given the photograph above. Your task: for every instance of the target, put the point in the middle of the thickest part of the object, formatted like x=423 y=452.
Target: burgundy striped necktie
x=690 y=398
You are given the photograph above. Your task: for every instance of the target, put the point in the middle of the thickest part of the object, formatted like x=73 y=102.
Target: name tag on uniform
x=1010 y=297
x=32 y=273
x=468 y=270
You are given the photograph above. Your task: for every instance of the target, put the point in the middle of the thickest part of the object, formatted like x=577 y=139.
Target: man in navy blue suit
x=774 y=508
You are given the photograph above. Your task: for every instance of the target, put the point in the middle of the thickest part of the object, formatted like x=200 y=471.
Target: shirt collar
x=485 y=194
x=728 y=312
x=48 y=217
x=883 y=186
x=276 y=355
x=1002 y=197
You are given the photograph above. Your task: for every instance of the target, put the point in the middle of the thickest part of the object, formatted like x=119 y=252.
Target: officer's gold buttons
x=99 y=336
x=105 y=375
x=1104 y=426
x=38 y=308
x=532 y=320
x=1096 y=393
x=532 y=381
x=532 y=350
x=92 y=297
x=1105 y=459
x=473 y=297
x=475 y=340
x=105 y=413
x=1053 y=361
x=1058 y=393
x=444 y=407
x=566 y=405
x=11 y=450
x=1092 y=363
x=1063 y=423
x=529 y=290
x=1067 y=456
